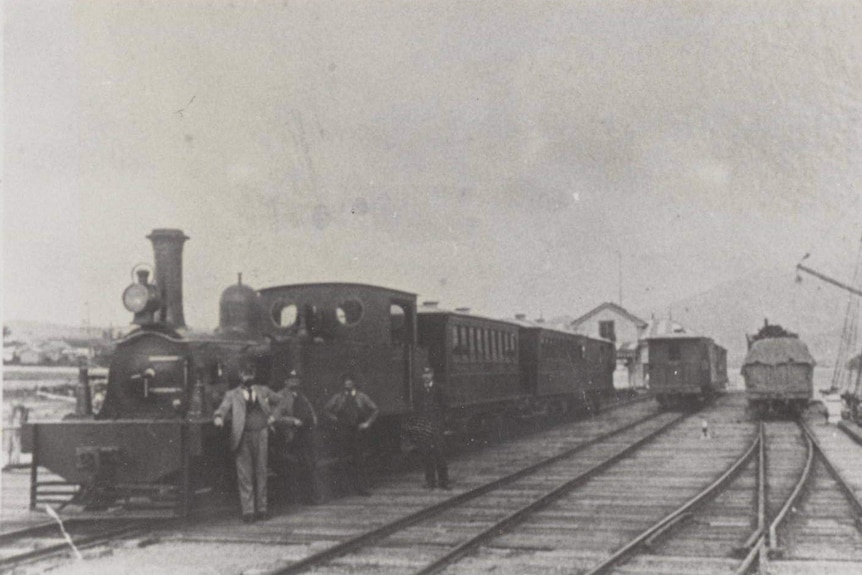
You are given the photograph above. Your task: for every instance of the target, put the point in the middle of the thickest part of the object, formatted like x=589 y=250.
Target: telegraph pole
x=620 y=276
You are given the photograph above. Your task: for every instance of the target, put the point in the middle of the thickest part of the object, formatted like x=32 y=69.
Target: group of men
x=254 y=409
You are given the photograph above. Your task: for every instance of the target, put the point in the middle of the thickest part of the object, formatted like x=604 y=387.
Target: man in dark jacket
x=353 y=412
x=249 y=407
x=298 y=415
x=430 y=426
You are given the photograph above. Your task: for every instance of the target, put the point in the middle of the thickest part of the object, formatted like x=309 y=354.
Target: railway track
x=440 y=535
x=824 y=534
x=788 y=510
x=223 y=532
x=567 y=511
x=38 y=542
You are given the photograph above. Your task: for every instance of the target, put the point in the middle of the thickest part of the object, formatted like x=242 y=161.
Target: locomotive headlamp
x=136 y=297
x=142 y=298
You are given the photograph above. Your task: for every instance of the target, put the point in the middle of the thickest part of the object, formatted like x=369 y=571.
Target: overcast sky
x=505 y=156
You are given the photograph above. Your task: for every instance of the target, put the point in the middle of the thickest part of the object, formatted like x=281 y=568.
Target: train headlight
x=136 y=297
x=140 y=298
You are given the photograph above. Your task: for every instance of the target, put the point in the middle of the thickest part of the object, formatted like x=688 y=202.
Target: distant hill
x=731 y=310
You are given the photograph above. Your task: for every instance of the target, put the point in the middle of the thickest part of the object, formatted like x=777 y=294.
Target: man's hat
x=427 y=370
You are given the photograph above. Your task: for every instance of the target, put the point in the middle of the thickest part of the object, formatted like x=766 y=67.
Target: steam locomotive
x=153 y=445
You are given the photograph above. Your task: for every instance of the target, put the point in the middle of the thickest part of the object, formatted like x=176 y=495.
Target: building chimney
x=430 y=304
x=521 y=316
x=462 y=309
x=168 y=251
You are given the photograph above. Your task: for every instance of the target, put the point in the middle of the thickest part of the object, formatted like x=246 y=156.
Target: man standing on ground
x=432 y=444
x=353 y=413
x=249 y=407
x=299 y=414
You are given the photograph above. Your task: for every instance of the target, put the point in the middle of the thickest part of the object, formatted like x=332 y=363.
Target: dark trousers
x=306 y=463
x=352 y=450
x=434 y=456
x=251 y=468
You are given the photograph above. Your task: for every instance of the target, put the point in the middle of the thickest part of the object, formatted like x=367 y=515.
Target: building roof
x=664 y=329
x=777 y=351
x=613 y=307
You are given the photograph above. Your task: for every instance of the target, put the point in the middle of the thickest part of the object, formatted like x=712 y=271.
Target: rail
x=769 y=540
x=843 y=483
x=387 y=529
x=673 y=518
x=82 y=541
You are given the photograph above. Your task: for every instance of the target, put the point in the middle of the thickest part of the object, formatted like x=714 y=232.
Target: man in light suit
x=250 y=409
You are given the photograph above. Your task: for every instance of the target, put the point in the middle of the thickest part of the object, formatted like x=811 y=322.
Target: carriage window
x=673 y=352
x=457 y=347
x=349 y=312
x=465 y=345
x=284 y=314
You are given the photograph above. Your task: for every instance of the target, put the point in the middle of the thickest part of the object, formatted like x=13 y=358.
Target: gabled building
x=609 y=321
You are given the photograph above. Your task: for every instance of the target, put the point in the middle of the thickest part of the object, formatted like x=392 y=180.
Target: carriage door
x=403 y=338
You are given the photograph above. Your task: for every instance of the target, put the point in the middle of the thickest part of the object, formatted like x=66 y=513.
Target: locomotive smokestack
x=168 y=250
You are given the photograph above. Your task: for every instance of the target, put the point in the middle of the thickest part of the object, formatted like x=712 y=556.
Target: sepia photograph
x=392 y=287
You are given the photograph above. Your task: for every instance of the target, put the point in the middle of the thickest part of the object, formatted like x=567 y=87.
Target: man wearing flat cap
x=297 y=413
x=249 y=407
x=353 y=413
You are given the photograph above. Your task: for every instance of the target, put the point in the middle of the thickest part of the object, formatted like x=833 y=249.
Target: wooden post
x=34 y=468
x=83 y=398
x=185 y=495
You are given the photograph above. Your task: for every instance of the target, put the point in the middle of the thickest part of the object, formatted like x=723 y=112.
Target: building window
x=606 y=330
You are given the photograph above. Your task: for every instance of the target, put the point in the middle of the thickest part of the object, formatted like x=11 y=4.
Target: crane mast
x=828 y=279
x=842 y=380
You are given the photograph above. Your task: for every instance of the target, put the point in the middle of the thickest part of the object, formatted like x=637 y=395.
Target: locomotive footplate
x=133 y=464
